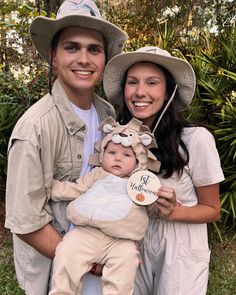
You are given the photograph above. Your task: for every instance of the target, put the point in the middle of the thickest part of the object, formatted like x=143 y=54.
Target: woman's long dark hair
x=167 y=134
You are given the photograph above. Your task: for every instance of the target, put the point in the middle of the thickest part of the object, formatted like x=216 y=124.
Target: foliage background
x=202 y=32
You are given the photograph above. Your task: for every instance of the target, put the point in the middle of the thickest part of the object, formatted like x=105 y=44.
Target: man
x=55 y=137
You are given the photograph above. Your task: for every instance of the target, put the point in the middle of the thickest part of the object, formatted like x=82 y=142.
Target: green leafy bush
x=15 y=98
x=181 y=29
x=214 y=61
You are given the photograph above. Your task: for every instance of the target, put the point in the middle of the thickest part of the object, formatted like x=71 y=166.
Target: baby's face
x=119 y=160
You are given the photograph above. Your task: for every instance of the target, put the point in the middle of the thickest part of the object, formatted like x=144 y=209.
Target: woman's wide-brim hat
x=80 y=13
x=180 y=69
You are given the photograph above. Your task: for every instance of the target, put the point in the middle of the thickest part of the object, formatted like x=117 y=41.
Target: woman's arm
x=207 y=210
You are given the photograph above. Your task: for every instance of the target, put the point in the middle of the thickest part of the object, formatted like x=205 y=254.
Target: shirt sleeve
x=67 y=190
x=26 y=197
x=204 y=163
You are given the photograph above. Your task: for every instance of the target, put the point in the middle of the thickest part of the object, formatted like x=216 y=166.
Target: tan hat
x=83 y=13
x=180 y=69
x=134 y=135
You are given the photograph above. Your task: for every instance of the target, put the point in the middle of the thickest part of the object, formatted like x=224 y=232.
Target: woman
x=154 y=87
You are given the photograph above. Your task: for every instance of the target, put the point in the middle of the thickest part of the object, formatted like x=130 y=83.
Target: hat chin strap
x=163 y=112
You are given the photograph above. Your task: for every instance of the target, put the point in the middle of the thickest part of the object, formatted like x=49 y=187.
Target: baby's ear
x=108 y=125
x=108 y=128
x=146 y=139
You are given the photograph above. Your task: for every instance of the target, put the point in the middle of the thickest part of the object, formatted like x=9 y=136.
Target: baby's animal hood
x=134 y=135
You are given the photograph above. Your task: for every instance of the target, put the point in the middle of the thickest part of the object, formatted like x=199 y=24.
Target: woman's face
x=145 y=91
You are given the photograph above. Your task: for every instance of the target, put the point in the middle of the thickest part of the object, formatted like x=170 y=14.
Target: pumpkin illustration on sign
x=142 y=187
x=140 y=197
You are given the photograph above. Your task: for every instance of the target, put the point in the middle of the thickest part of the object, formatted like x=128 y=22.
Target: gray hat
x=180 y=69
x=83 y=13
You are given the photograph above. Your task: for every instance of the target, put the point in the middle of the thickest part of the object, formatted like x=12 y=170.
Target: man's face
x=79 y=60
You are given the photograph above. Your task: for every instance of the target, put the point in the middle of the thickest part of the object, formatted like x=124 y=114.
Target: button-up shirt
x=47 y=142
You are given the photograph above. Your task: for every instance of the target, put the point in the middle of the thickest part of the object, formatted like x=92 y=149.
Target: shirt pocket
x=63 y=170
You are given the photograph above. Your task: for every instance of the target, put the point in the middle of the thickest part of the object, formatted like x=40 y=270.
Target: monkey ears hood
x=134 y=135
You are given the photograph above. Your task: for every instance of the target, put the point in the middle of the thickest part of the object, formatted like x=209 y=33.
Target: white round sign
x=142 y=187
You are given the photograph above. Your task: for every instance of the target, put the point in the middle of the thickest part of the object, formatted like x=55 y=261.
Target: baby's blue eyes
x=114 y=153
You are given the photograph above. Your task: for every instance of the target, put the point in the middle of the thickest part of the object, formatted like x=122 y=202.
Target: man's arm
x=44 y=240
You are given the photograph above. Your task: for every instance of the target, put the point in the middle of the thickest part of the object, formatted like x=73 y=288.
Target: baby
x=106 y=221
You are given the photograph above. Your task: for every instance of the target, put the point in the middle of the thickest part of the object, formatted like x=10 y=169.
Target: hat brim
x=43 y=29
x=181 y=71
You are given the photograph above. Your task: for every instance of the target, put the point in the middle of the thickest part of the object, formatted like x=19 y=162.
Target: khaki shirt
x=46 y=143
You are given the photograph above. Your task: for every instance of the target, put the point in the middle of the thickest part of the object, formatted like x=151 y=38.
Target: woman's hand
x=166 y=202
x=164 y=205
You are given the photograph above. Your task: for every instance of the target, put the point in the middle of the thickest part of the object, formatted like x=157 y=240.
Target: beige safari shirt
x=46 y=143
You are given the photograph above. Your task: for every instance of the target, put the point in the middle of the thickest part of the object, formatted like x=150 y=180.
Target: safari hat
x=83 y=13
x=180 y=69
